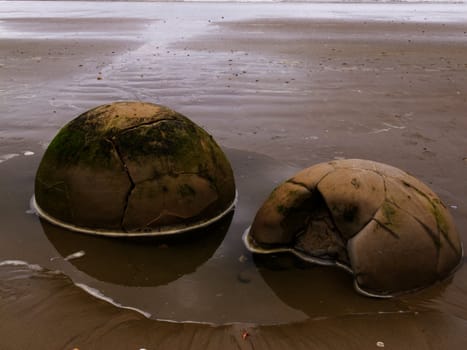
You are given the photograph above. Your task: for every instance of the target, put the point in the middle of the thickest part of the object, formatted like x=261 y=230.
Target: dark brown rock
x=131 y=168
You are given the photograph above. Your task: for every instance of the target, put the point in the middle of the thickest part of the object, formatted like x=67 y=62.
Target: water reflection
x=448 y=297
x=213 y=278
x=139 y=262
x=210 y=278
x=320 y=291
x=324 y=292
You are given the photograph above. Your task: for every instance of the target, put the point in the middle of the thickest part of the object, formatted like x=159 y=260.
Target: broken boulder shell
x=376 y=221
x=133 y=169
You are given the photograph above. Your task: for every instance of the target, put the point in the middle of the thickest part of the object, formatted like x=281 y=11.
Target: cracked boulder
x=133 y=168
x=381 y=224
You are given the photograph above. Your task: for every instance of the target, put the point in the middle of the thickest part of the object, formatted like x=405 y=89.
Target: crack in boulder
x=435 y=210
x=292 y=181
x=175 y=174
x=132 y=183
x=315 y=218
x=364 y=224
x=440 y=229
x=336 y=229
x=145 y=124
x=433 y=235
x=54 y=185
x=385 y=227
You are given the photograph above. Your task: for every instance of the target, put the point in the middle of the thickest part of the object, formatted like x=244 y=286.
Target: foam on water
x=33 y=267
x=92 y=291
x=5 y=157
x=76 y=255
x=99 y=295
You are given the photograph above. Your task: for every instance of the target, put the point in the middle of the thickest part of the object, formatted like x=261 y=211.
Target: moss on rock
x=103 y=157
x=382 y=224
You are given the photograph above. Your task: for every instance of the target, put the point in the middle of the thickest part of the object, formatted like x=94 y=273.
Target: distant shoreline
x=275 y=1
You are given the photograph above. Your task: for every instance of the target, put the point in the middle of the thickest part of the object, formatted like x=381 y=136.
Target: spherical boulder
x=132 y=169
x=381 y=224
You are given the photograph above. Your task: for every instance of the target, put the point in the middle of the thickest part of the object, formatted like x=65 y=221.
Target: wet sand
x=59 y=315
x=280 y=94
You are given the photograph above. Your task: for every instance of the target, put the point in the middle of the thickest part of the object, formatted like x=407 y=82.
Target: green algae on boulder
x=132 y=169
x=381 y=224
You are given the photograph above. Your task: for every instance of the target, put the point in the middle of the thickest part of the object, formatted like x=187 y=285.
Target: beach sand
x=297 y=91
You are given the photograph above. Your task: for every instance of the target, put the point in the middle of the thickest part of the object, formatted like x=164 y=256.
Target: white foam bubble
x=32 y=209
x=21 y=263
x=76 y=255
x=99 y=295
x=5 y=157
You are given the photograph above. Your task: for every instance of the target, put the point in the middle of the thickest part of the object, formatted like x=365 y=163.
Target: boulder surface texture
x=378 y=222
x=130 y=168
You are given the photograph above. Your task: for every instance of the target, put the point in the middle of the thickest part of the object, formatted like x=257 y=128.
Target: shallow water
x=211 y=279
x=201 y=279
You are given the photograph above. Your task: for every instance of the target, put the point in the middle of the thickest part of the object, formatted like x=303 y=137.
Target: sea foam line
x=99 y=295
x=91 y=291
x=33 y=267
